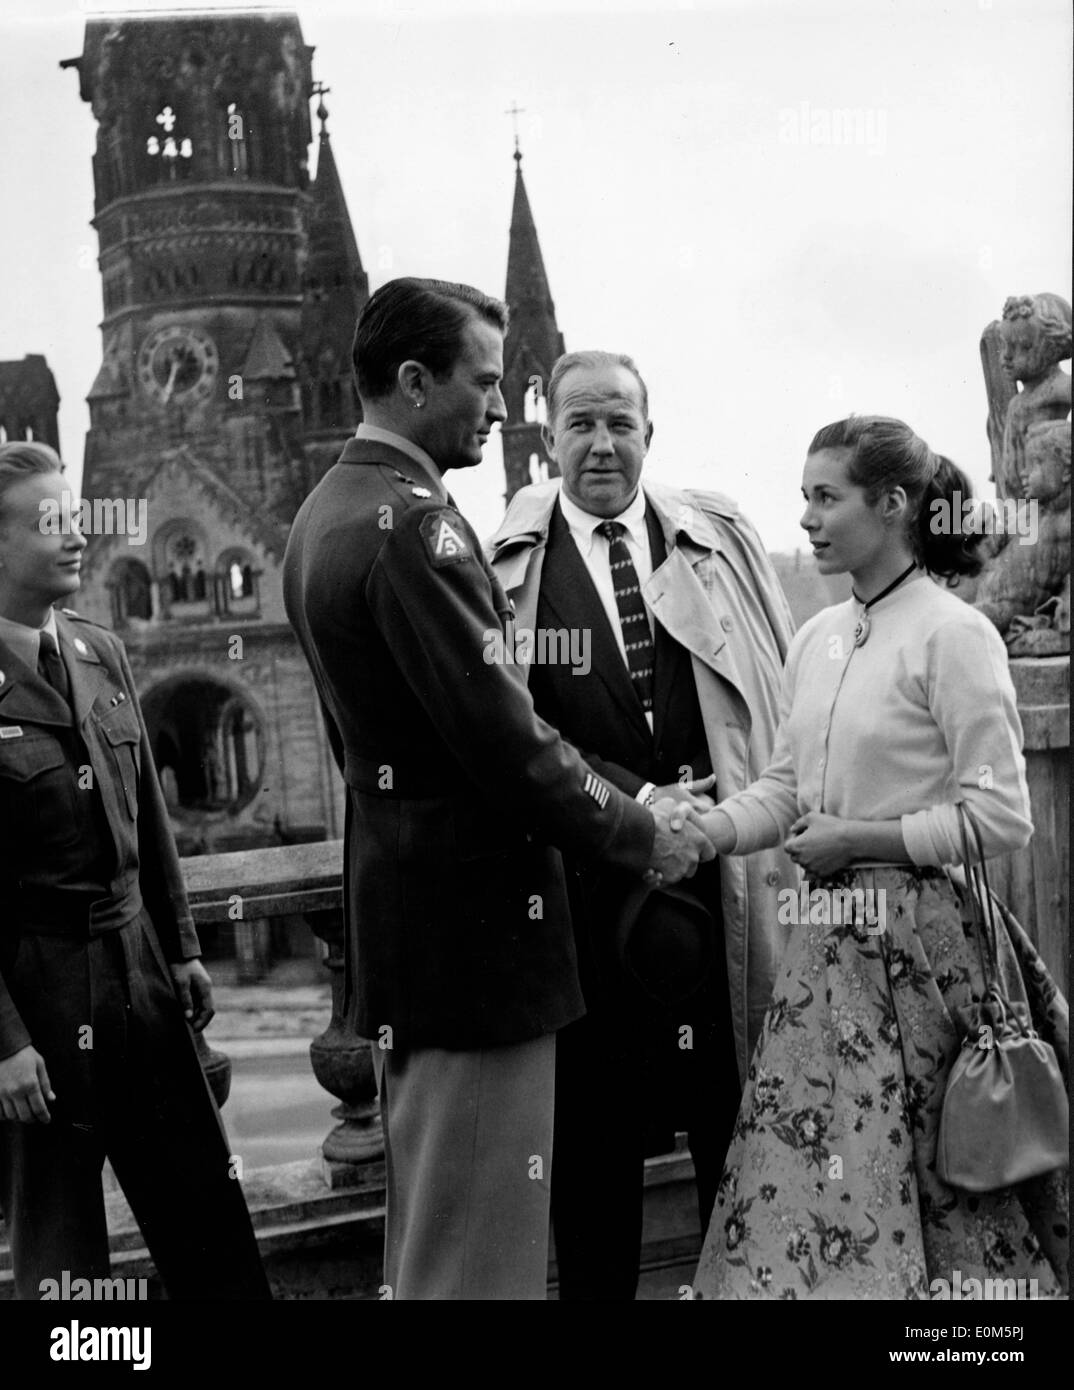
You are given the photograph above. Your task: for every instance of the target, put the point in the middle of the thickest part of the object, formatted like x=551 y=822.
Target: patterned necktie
x=633 y=618
x=50 y=667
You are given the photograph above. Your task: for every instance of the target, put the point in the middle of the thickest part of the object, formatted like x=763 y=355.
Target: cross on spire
x=320 y=90
x=514 y=111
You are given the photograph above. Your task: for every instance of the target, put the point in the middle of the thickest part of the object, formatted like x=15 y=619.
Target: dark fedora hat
x=664 y=940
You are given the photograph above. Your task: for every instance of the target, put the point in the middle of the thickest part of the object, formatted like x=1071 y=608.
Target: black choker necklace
x=861 y=629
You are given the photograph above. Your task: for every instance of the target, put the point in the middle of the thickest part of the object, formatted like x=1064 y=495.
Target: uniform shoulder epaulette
x=79 y=618
x=418 y=490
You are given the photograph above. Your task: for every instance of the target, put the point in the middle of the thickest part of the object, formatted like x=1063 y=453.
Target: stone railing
x=320 y=1220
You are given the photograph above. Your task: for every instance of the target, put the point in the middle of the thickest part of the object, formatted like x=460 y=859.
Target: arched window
x=179 y=556
x=168 y=149
x=132 y=592
x=534 y=409
x=207 y=744
x=237 y=584
x=538 y=469
x=234 y=150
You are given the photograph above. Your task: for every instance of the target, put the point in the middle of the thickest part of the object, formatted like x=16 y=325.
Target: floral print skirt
x=829 y=1189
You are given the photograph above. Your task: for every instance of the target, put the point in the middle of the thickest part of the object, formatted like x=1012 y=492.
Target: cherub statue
x=1025 y=587
x=1033 y=338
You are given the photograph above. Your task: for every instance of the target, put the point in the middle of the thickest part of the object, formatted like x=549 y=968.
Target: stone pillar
x=343 y=1064
x=252 y=949
x=1034 y=883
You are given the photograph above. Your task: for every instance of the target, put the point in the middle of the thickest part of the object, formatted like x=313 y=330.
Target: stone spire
x=335 y=287
x=532 y=345
x=333 y=248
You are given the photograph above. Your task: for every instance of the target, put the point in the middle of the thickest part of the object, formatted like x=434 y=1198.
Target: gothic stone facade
x=231 y=285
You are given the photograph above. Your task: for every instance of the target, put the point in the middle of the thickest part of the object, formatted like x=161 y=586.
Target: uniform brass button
x=772 y=877
x=726 y=624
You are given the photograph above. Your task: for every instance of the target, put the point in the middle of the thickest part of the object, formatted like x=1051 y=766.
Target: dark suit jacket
x=459 y=933
x=48 y=818
x=600 y=713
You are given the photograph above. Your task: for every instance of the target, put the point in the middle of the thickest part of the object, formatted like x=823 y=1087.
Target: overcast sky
x=691 y=210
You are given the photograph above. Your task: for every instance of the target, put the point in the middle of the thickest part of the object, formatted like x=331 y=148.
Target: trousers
x=129 y=1087
x=468 y=1152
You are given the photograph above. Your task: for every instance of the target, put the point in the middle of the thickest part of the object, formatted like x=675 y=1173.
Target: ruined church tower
x=231 y=284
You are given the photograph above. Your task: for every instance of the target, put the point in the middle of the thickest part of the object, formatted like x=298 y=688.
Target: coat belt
x=41 y=911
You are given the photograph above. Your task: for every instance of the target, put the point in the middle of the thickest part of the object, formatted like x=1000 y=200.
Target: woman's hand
x=820 y=844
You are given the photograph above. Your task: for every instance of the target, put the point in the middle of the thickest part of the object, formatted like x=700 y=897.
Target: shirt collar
x=376 y=435
x=25 y=641
x=583 y=525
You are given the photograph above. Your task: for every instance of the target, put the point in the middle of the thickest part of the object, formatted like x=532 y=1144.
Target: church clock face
x=178 y=363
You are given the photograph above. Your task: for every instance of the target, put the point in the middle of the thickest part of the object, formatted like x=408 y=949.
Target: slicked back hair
x=21 y=458
x=419 y=319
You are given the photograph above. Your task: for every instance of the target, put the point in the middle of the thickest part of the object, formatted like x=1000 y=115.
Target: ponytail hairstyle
x=885 y=454
x=19 y=459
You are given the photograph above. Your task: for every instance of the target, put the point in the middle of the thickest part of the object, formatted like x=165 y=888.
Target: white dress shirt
x=594 y=548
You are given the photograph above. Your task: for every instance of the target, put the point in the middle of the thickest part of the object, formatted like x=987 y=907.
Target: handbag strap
x=981 y=902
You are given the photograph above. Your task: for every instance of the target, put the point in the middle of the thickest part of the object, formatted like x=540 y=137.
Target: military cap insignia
x=595 y=788
x=422 y=492
x=442 y=533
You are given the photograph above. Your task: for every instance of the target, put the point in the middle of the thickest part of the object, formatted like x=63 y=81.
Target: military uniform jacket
x=459 y=933
x=50 y=808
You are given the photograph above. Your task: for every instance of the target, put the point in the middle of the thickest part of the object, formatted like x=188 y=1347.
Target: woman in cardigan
x=896 y=705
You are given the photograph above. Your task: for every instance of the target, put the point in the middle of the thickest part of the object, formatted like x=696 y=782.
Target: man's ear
x=549 y=441
x=648 y=434
x=412 y=378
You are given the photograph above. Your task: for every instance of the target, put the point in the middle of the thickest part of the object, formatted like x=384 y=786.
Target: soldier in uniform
x=100 y=981
x=460 y=960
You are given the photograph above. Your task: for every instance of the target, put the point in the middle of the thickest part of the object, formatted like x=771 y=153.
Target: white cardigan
x=919 y=717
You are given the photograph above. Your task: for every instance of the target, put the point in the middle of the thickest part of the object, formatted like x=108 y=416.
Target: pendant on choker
x=861 y=631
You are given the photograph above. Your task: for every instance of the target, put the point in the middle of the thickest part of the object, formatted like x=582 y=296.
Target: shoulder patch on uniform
x=443 y=535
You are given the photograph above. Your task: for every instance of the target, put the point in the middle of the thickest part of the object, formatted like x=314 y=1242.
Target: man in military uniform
x=99 y=968
x=460 y=960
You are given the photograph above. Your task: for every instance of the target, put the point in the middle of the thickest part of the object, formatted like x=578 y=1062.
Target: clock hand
x=171 y=378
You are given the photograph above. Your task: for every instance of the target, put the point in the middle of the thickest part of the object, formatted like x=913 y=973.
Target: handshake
x=681 y=841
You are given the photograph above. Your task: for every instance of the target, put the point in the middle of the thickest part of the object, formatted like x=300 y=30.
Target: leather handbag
x=1005 y=1114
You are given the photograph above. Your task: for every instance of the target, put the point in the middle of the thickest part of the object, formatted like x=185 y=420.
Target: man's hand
x=25 y=1087
x=680 y=843
x=692 y=793
x=194 y=989
x=820 y=844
